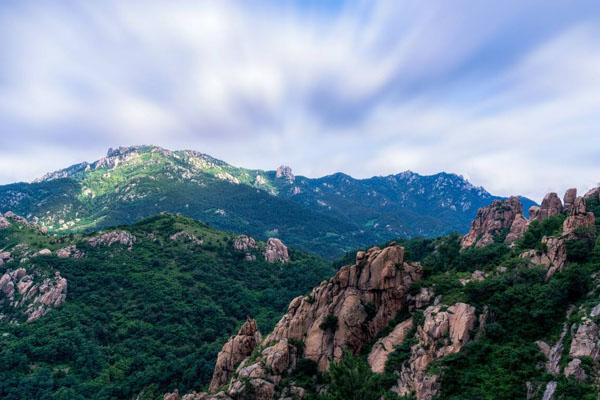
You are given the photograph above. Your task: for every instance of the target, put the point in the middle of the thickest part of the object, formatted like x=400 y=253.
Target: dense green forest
x=144 y=320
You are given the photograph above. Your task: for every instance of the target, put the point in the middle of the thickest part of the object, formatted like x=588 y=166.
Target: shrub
x=329 y=324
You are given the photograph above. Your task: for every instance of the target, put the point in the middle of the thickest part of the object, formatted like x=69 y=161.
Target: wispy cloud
x=507 y=95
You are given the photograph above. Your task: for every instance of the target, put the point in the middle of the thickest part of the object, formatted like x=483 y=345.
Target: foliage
x=147 y=320
x=329 y=324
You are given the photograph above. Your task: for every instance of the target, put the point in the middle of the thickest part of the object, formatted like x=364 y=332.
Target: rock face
x=276 y=251
x=362 y=298
x=186 y=237
x=234 y=351
x=554 y=258
x=18 y=290
x=501 y=215
x=593 y=194
x=114 y=237
x=444 y=332
x=551 y=205
x=586 y=341
x=283 y=171
x=384 y=346
x=579 y=220
x=569 y=199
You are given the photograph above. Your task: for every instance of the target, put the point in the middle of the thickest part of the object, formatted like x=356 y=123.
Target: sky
x=506 y=93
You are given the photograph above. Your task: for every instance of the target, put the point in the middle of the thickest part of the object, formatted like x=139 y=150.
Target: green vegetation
x=148 y=320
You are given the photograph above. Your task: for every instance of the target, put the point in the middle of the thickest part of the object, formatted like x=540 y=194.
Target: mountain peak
x=283 y=171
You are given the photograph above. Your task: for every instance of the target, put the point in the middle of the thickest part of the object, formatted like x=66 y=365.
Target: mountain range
x=328 y=216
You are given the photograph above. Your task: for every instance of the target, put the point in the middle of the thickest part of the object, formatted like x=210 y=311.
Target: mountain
x=327 y=216
x=134 y=308
x=509 y=311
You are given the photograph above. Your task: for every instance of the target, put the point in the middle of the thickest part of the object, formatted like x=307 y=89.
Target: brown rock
x=534 y=212
x=244 y=243
x=569 y=199
x=554 y=258
x=492 y=220
x=69 y=251
x=586 y=341
x=551 y=205
x=276 y=251
x=114 y=237
x=579 y=222
x=443 y=332
x=236 y=349
x=384 y=346
x=517 y=229
x=575 y=370
x=592 y=194
x=381 y=280
x=283 y=171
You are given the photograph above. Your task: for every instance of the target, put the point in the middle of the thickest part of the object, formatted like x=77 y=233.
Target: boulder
x=43 y=252
x=69 y=251
x=592 y=194
x=501 y=215
x=4 y=223
x=236 y=349
x=386 y=345
x=276 y=251
x=554 y=258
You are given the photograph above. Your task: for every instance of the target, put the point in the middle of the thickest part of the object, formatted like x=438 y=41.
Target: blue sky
x=507 y=95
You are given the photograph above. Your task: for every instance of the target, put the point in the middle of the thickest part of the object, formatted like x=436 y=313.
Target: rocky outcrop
x=569 y=199
x=491 y=221
x=553 y=354
x=43 y=252
x=342 y=314
x=19 y=291
x=575 y=370
x=4 y=223
x=186 y=237
x=347 y=311
x=592 y=194
x=553 y=258
x=285 y=172
x=234 y=351
x=276 y=251
x=114 y=237
x=69 y=252
x=586 y=341
x=445 y=331
x=244 y=243
x=386 y=345
x=551 y=205
x=5 y=256
x=579 y=222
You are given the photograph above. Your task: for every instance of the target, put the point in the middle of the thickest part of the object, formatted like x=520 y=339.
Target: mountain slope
x=145 y=305
x=328 y=215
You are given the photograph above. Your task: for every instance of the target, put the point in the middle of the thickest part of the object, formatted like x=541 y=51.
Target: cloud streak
x=507 y=95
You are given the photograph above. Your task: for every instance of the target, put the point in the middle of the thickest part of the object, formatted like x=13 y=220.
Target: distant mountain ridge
x=327 y=215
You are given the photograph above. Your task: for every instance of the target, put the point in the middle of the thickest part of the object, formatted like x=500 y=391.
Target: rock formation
x=283 y=171
x=551 y=205
x=18 y=290
x=501 y=215
x=553 y=258
x=276 y=251
x=186 y=237
x=579 y=220
x=69 y=251
x=236 y=349
x=114 y=237
x=386 y=345
x=569 y=200
x=244 y=243
x=4 y=223
x=344 y=313
x=445 y=331
x=593 y=194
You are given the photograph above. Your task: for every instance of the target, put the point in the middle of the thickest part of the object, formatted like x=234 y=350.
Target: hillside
x=327 y=216
x=510 y=310
x=135 y=308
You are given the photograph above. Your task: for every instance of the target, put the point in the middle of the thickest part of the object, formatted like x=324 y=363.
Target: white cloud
x=369 y=88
